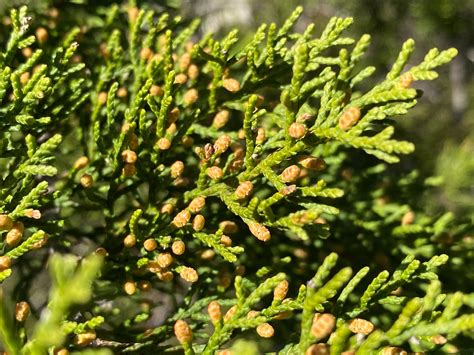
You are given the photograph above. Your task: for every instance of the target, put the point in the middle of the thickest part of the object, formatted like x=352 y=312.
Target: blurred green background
x=442 y=125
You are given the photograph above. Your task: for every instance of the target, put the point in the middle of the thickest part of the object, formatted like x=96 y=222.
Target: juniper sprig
x=207 y=188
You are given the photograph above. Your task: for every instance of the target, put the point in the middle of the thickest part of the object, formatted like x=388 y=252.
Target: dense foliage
x=189 y=193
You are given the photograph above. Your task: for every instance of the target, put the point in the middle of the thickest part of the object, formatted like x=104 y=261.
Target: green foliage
x=210 y=174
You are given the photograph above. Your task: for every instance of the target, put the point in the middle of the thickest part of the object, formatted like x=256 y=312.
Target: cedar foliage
x=200 y=195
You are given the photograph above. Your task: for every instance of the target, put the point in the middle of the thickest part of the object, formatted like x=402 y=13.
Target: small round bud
x=283 y=315
x=193 y=72
x=36 y=69
x=408 y=218
x=197 y=204
x=129 y=170
x=102 y=98
x=320 y=220
x=323 y=325
x=312 y=163
x=177 y=169
x=27 y=52
x=180 y=79
x=190 y=97
x=230 y=313
x=206 y=152
x=229 y=227
x=130 y=287
x=226 y=241
x=167 y=208
x=198 y=222
x=349 y=118
x=6 y=223
x=81 y=163
x=40 y=243
x=362 y=326
x=214 y=172
x=222 y=144
x=150 y=244
x=122 y=92
x=61 y=351
x=181 y=182
x=304 y=117
x=130 y=241
x=188 y=274
x=244 y=190
x=252 y=314
x=231 y=85
x=259 y=231
x=165 y=276
x=24 y=78
x=287 y=190
x=22 y=310
x=261 y=136
x=236 y=165
x=208 y=254
x=7 y=21
x=5 y=262
x=181 y=219
x=156 y=90
x=238 y=150
x=53 y=13
x=85 y=338
x=172 y=129
x=221 y=119
x=438 y=339
x=182 y=332
x=164 y=143
x=31 y=213
x=129 y=156
x=173 y=115
x=133 y=12
x=41 y=34
x=317 y=349
x=397 y=292
x=184 y=61
x=291 y=173
x=146 y=53
x=178 y=247
x=214 y=311
x=406 y=80
x=280 y=291
x=125 y=127
x=15 y=234
x=265 y=330
x=164 y=260
x=153 y=266
x=225 y=280
x=87 y=181
x=297 y=130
